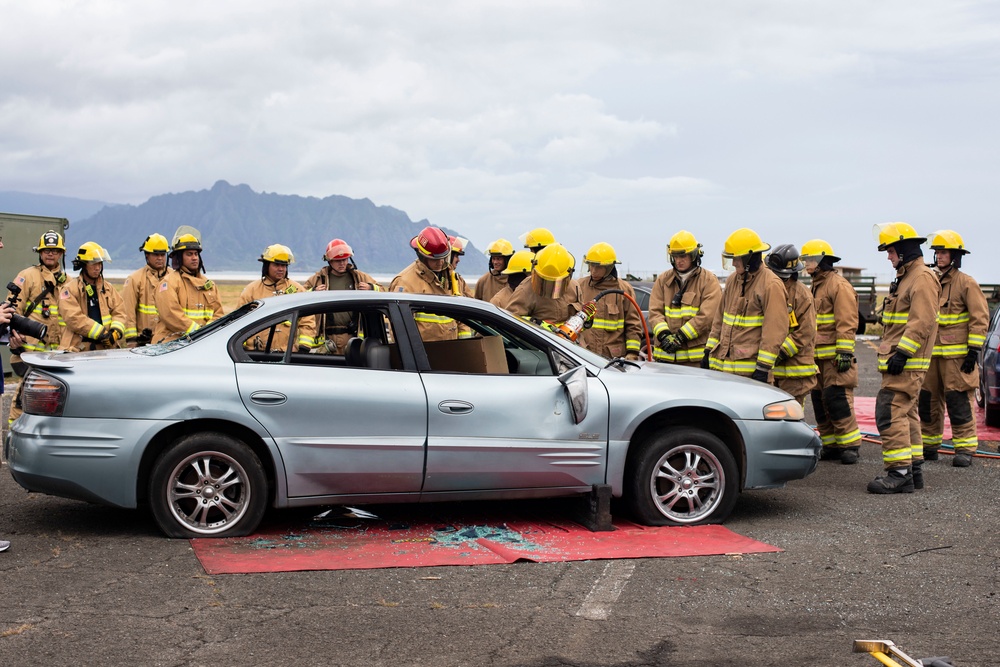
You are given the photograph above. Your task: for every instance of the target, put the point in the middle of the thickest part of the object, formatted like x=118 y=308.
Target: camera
x=20 y=323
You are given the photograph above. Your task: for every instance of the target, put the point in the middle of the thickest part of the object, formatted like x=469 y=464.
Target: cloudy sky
x=621 y=122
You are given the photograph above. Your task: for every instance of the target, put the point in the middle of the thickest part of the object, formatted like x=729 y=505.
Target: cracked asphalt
x=92 y=585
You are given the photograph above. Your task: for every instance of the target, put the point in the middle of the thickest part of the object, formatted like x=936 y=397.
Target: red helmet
x=337 y=249
x=431 y=243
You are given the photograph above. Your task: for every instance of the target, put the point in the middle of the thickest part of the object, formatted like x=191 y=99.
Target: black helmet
x=784 y=260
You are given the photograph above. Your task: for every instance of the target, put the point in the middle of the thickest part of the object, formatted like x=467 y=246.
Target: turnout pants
x=946 y=387
x=833 y=405
x=896 y=417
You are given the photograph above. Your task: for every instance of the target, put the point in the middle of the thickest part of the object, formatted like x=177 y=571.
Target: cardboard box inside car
x=471 y=355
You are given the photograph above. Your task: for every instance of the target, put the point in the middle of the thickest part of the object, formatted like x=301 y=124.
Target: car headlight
x=787 y=410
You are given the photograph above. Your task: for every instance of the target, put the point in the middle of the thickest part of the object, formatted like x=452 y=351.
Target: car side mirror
x=575 y=382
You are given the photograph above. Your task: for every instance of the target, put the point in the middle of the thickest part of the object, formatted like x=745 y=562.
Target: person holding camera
x=38 y=299
x=139 y=291
x=93 y=310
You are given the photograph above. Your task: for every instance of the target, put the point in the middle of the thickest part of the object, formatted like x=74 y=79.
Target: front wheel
x=683 y=476
x=208 y=485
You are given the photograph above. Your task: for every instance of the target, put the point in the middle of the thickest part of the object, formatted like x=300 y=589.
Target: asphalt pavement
x=91 y=585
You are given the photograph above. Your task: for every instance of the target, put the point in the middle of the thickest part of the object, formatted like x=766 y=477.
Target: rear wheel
x=992 y=416
x=981 y=390
x=683 y=476
x=208 y=485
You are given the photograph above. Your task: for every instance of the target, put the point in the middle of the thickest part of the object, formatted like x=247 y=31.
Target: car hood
x=701 y=383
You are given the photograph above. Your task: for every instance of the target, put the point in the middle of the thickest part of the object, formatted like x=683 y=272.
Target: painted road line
x=605 y=592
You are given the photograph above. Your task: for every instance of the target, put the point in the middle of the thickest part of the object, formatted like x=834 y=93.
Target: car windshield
x=208 y=329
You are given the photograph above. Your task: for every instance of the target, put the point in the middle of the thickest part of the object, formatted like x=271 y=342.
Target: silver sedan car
x=210 y=430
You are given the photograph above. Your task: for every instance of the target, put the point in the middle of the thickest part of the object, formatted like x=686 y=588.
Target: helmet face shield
x=550 y=289
x=727 y=262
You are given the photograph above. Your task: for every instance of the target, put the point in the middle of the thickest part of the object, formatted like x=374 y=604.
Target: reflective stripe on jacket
x=185 y=303
x=837 y=314
x=799 y=344
x=33 y=283
x=909 y=316
x=81 y=332
x=694 y=315
x=139 y=294
x=752 y=324
x=418 y=279
x=306 y=329
x=617 y=326
x=963 y=315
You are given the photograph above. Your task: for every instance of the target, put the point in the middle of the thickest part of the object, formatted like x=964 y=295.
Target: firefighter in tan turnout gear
x=457 y=253
x=951 y=380
x=795 y=370
x=836 y=325
x=139 y=291
x=93 y=310
x=186 y=299
x=616 y=327
x=550 y=297
x=909 y=320
x=518 y=268
x=274 y=281
x=753 y=322
x=340 y=273
x=39 y=299
x=499 y=253
x=431 y=273
x=683 y=303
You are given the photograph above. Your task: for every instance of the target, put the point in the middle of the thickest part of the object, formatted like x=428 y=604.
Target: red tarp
x=864 y=410
x=346 y=544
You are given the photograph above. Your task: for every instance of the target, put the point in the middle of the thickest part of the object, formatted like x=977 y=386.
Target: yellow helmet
x=277 y=253
x=155 y=243
x=684 y=243
x=816 y=250
x=186 y=238
x=553 y=262
x=537 y=239
x=947 y=239
x=501 y=248
x=50 y=240
x=743 y=242
x=90 y=253
x=888 y=233
x=520 y=262
x=601 y=254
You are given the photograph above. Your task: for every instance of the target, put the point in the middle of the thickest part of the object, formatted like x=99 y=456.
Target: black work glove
x=896 y=363
x=844 y=360
x=704 y=360
x=971 y=357
x=760 y=375
x=669 y=341
x=782 y=357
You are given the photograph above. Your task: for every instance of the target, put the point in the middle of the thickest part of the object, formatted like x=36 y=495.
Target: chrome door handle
x=455 y=407
x=268 y=397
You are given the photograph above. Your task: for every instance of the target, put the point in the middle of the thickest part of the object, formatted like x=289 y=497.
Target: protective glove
x=844 y=361
x=704 y=360
x=117 y=332
x=669 y=341
x=896 y=363
x=590 y=308
x=971 y=357
x=760 y=375
x=781 y=358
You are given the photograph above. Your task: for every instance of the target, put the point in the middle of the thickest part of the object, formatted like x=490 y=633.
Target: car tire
x=208 y=485
x=683 y=476
x=981 y=390
x=991 y=414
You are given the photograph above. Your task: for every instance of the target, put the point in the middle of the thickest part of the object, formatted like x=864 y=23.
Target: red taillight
x=43 y=395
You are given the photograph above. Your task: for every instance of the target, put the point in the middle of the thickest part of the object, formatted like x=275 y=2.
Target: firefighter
x=752 y=324
x=795 y=369
x=499 y=253
x=457 y=252
x=909 y=320
x=274 y=281
x=836 y=324
x=537 y=239
x=340 y=273
x=93 y=310
x=683 y=303
x=951 y=380
x=431 y=273
x=139 y=291
x=616 y=327
x=551 y=296
x=39 y=299
x=517 y=268
x=186 y=299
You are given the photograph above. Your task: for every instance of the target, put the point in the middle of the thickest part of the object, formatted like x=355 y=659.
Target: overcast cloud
x=621 y=122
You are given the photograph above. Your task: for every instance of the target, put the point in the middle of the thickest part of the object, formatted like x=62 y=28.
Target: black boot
x=895 y=481
x=931 y=454
x=829 y=454
x=849 y=456
x=917 y=466
x=962 y=460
